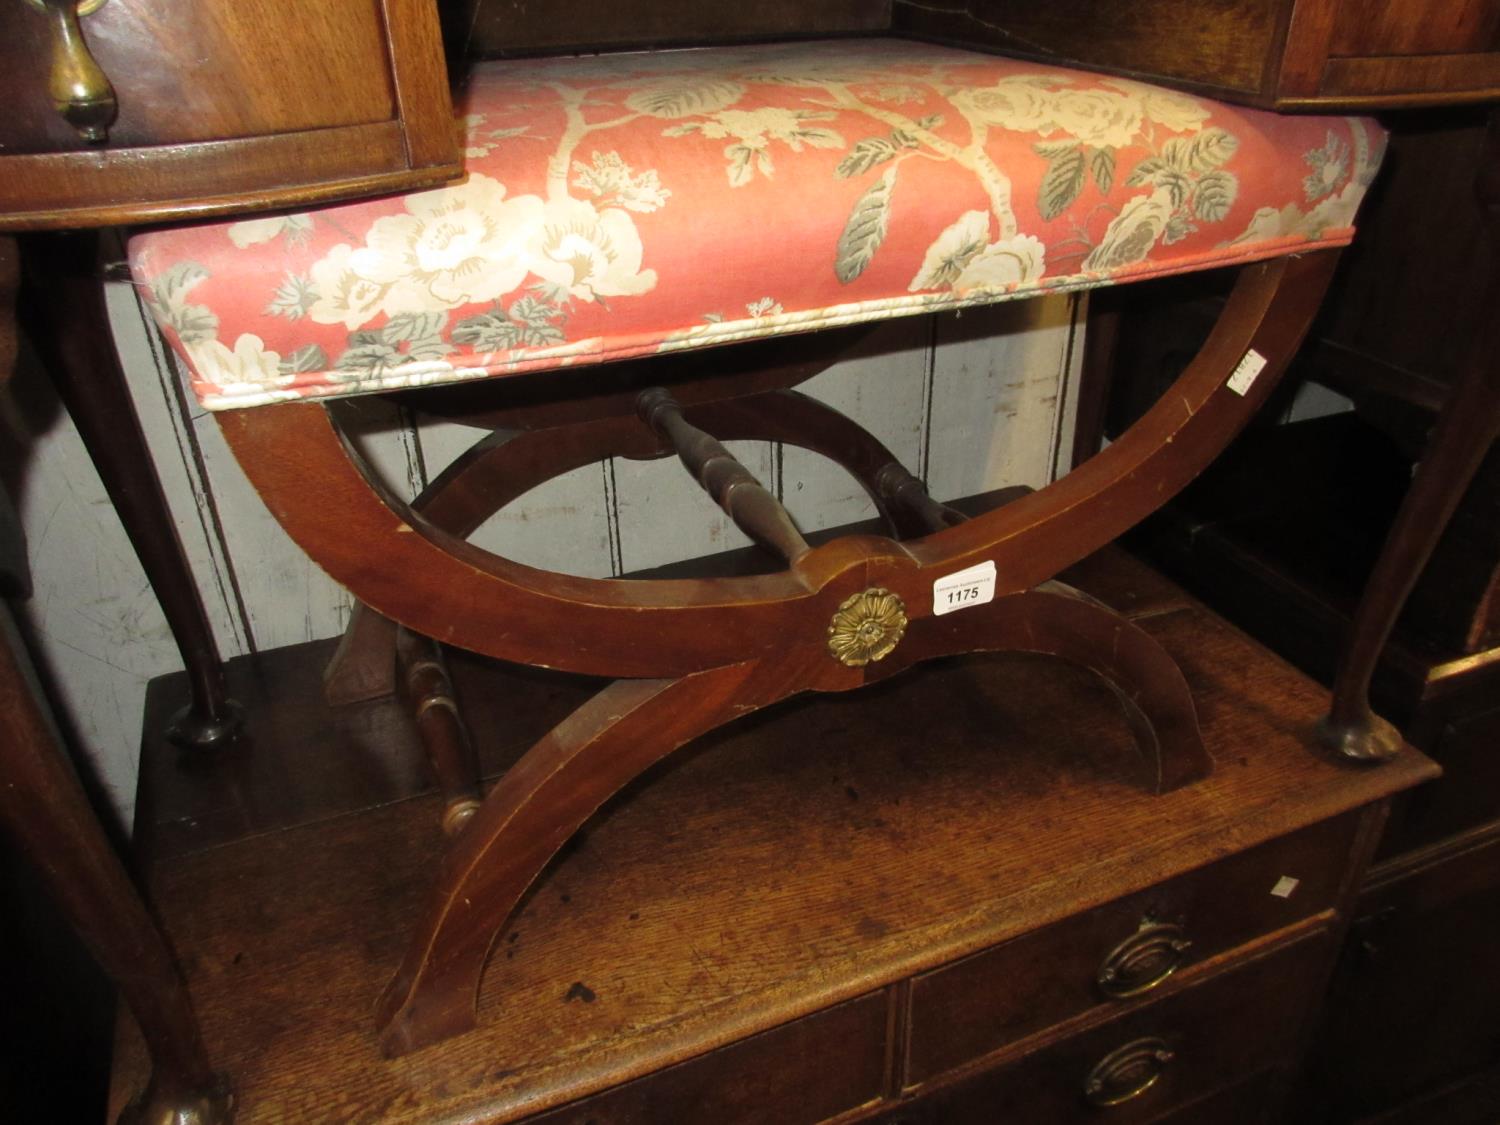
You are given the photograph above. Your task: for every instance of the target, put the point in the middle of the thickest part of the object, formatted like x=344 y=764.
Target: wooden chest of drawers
x=225 y=106
x=942 y=900
x=1285 y=54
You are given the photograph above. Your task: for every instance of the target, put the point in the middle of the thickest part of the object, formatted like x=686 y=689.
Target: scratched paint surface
x=977 y=402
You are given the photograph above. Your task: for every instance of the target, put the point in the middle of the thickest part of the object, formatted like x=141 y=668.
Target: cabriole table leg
x=44 y=808
x=63 y=303
x=1467 y=425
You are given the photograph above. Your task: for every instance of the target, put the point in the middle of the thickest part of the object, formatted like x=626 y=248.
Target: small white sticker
x=1244 y=375
x=1285 y=886
x=964 y=588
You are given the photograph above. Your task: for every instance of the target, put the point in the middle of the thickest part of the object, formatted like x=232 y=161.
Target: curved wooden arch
x=502 y=467
x=376 y=546
x=561 y=781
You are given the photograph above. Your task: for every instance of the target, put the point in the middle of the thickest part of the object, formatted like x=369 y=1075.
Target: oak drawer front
x=1150 y=1062
x=971 y=1007
x=804 y=1071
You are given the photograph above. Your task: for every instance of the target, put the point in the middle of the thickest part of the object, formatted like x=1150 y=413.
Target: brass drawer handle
x=1143 y=960
x=1127 y=1072
x=80 y=90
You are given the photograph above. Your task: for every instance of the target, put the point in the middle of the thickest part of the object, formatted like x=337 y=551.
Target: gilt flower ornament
x=866 y=627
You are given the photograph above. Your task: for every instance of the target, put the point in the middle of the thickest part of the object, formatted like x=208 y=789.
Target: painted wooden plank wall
x=973 y=401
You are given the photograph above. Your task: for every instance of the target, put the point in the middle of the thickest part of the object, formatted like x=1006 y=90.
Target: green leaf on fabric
x=309 y=357
x=865 y=230
x=1102 y=166
x=1179 y=226
x=368 y=355
x=1215 y=195
x=1053 y=149
x=1145 y=171
x=412 y=326
x=487 y=332
x=686 y=97
x=1062 y=183
x=293 y=297
x=1178 y=186
x=1202 y=152
x=866 y=154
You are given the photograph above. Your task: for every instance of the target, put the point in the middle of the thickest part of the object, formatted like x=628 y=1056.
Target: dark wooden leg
x=1101 y=338
x=44 y=808
x=429 y=694
x=531 y=813
x=10 y=282
x=64 y=303
x=1467 y=425
x=363 y=667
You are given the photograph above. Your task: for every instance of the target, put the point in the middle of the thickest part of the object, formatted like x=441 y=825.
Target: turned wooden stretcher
x=624 y=214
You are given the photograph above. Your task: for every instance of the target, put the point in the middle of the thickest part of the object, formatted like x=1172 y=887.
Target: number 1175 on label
x=963 y=589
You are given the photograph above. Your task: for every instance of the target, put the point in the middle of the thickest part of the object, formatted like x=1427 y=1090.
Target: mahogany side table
x=120 y=111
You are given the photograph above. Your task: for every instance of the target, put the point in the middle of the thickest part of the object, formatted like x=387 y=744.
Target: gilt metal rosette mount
x=866 y=627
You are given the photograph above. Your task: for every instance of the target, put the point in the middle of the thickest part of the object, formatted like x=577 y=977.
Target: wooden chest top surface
x=788 y=865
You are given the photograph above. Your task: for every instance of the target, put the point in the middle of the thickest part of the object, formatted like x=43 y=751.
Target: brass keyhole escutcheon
x=80 y=90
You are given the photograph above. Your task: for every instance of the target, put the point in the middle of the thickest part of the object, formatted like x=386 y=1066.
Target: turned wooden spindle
x=429 y=693
x=744 y=499
x=908 y=495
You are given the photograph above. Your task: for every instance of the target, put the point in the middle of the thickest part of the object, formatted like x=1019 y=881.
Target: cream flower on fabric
x=612 y=183
x=1004 y=265
x=343 y=297
x=252 y=232
x=463 y=245
x=1333 y=213
x=1268 y=223
x=1132 y=234
x=1095 y=117
x=954 y=249
x=1024 y=104
x=589 y=253
x=1021 y=104
x=249 y=364
x=1177 y=112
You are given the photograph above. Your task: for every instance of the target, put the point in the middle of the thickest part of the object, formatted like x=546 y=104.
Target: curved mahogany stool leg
x=1467 y=426
x=1057 y=620
x=532 y=812
x=44 y=808
x=591 y=755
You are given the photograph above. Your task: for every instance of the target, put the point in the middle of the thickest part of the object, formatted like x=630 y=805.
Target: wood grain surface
x=800 y=859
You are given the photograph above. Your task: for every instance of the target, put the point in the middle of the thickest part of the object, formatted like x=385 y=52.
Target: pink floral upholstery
x=623 y=205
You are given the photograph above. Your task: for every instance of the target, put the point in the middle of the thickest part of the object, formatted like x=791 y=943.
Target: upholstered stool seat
x=620 y=206
x=617 y=208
